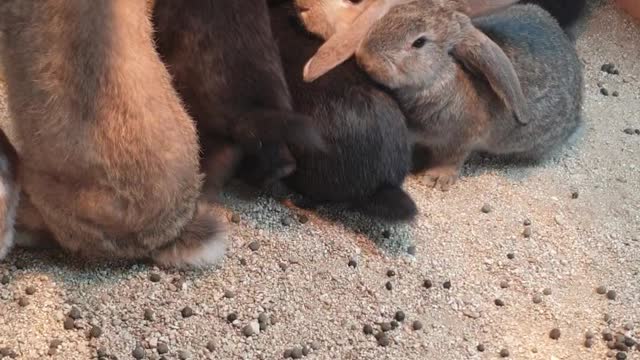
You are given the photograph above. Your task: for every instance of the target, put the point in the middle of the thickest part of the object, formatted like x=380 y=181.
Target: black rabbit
x=368 y=156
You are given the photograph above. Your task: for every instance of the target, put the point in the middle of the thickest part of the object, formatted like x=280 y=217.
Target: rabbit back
x=550 y=73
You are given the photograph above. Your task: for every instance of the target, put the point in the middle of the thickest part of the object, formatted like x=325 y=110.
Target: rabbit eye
x=419 y=42
x=354 y=1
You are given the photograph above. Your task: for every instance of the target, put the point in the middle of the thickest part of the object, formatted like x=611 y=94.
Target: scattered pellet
x=427 y=284
x=446 y=284
x=547 y=291
x=499 y=302
x=601 y=290
x=388 y=285
x=391 y=273
x=486 y=208
x=138 y=353
x=154 y=277
x=254 y=246
x=504 y=285
x=352 y=263
x=400 y=316
x=383 y=339
x=554 y=334
x=417 y=325
x=527 y=232
x=149 y=315
x=30 y=290
x=480 y=347
x=95 y=332
x=187 y=312
x=69 y=324
x=211 y=346
x=235 y=218
x=23 y=301
x=232 y=317
x=367 y=329
x=229 y=294
x=612 y=295
x=385 y=326
x=296 y=353
x=504 y=353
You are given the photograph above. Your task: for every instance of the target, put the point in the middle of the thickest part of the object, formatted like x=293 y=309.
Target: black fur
x=368 y=155
x=226 y=67
x=566 y=12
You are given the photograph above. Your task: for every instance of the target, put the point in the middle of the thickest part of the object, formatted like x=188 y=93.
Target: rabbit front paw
x=441 y=177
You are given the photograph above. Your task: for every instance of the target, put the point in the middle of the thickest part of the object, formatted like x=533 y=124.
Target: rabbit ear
x=480 y=54
x=483 y=7
x=342 y=45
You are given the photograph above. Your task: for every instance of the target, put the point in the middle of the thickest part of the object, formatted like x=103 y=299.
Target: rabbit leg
x=31 y=231
x=268 y=165
x=444 y=167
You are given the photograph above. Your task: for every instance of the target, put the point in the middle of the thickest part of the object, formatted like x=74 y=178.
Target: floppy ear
x=484 y=7
x=480 y=54
x=342 y=45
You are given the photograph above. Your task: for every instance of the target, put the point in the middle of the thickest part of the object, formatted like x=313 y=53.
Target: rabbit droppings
x=368 y=156
x=109 y=157
x=226 y=66
x=9 y=193
x=509 y=83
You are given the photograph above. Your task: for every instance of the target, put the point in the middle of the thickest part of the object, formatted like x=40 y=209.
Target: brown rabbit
x=108 y=156
x=9 y=193
x=509 y=83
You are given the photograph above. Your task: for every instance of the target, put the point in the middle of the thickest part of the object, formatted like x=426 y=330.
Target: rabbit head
x=416 y=46
x=345 y=24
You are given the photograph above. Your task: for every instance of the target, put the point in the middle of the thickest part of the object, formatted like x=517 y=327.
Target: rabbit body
x=226 y=66
x=452 y=109
x=368 y=156
x=109 y=159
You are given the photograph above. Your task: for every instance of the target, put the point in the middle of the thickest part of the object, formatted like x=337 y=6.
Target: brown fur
x=109 y=156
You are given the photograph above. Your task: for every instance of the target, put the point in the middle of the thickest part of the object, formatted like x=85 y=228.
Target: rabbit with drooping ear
x=368 y=154
x=225 y=64
x=325 y=18
x=509 y=83
x=109 y=159
x=9 y=193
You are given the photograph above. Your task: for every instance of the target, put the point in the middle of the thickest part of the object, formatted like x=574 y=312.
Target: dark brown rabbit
x=226 y=67
x=108 y=157
x=509 y=83
x=9 y=193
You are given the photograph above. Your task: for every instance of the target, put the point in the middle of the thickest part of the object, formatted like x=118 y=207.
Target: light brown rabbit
x=108 y=156
x=509 y=83
x=9 y=193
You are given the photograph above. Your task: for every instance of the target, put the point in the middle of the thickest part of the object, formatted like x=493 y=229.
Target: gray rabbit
x=368 y=155
x=508 y=83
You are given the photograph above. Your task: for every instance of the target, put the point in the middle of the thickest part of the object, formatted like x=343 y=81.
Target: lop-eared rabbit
x=226 y=67
x=327 y=17
x=507 y=83
x=367 y=156
x=109 y=159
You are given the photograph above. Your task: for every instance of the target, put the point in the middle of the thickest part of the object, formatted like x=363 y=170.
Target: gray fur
x=451 y=107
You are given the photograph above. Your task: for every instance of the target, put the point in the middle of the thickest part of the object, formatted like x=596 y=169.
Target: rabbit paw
x=441 y=177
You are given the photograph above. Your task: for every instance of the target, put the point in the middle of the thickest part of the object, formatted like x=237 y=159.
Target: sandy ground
x=300 y=277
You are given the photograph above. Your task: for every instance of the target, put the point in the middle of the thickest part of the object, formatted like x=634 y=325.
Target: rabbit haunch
x=109 y=159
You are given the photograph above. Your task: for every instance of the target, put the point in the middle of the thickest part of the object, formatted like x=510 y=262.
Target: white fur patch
x=212 y=252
